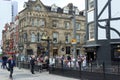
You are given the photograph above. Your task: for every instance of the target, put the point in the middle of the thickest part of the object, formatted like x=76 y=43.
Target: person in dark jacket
x=32 y=64
x=11 y=65
x=4 y=61
x=47 y=62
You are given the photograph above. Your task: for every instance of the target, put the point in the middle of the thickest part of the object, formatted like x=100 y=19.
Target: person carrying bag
x=11 y=65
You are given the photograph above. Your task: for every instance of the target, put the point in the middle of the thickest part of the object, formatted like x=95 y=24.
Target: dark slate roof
x=59 y=10
x=48 y=8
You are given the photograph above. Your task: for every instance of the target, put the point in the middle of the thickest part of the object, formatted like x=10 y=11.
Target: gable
x=35 y=5
x=39 y=6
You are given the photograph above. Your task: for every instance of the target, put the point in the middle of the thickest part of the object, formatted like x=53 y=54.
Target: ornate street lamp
x=20 y=47
x=46 y=38
x=74 y=35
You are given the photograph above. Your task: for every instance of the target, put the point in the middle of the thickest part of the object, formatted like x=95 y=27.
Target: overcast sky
x=60 y=3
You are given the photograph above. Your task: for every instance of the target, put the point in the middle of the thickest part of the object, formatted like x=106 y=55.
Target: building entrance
x=91 y=56
x=55 y=52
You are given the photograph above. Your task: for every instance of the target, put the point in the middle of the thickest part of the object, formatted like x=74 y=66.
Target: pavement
x=25 y=74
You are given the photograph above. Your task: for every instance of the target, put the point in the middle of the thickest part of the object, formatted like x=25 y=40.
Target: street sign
x=73 y=41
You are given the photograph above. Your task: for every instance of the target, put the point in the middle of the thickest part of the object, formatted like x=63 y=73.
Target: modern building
x=14 y=10
x=37 y=20
x=102 y=30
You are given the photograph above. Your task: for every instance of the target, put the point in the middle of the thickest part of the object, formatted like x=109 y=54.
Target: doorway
x=55 y=52
x=91 y=56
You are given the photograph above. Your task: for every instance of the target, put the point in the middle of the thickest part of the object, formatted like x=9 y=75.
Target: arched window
x=39 y=37
x=37 y=8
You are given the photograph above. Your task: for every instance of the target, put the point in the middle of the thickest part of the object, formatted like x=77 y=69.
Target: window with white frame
x=66 y=10
x=55 y=37
x=35 y=22
x=38 y=37
x=33 y=37
x=90 y=4
x=37 y=8
x=25 y=36
x=77 y=11
x=32 y=21
x=54 y=8
x=77 y=26
x=78 y=38
x=42 y=22
x=67 y=25
x=67 y=38
x=91 y=31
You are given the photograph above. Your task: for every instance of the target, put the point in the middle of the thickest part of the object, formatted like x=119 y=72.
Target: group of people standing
x=70 y=61
x=41 y=61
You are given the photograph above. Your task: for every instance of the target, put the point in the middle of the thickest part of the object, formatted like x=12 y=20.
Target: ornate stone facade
x=37 y=19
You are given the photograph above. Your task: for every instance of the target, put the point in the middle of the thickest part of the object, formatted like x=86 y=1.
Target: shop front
x=115 y=51
x=91 y=52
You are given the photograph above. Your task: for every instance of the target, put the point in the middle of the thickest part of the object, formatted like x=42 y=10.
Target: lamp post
x=20 y=47
x=74 y=36
x=45 y=38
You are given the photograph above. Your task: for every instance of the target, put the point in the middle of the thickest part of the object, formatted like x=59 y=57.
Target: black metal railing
x=92 y=71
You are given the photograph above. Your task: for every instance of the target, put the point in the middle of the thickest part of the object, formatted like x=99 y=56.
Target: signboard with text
x=73 y=41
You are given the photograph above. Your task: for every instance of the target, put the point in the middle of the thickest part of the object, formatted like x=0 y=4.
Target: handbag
x=8 y=69
x=39 y=63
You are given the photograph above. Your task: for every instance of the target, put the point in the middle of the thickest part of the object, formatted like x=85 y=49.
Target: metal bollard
x=19 y=64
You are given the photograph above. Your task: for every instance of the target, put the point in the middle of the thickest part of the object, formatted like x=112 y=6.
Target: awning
x=29 y=52
x=114 y=42
x=10 y=52
x=91 y=45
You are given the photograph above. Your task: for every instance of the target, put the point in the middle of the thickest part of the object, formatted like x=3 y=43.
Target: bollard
x=19 y=64
x=104 y=70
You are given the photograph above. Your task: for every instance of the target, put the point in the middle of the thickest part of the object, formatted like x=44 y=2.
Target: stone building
x=9 y=38
x=37 y=20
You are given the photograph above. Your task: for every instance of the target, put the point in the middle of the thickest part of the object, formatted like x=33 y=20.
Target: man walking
x=4 y=61
x=11 y=65
x=32 y=64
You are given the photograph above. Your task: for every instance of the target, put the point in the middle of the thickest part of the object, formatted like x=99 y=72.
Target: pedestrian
x=11 y=65
x=40 y=62
x=4 y=61
x=83 y=62
x=46 y=62
x=62 y=61
x=32 y=63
